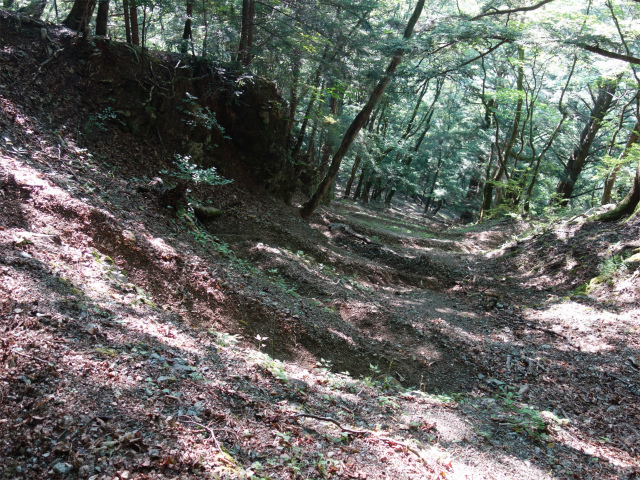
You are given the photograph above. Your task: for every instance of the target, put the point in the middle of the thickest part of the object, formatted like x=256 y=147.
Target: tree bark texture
x=187 y=34
x=360 y=119
x=102 y=18
x=127 y=22
x=354 y=170
x=135 y=28
x=246 y=32
x=80 y=15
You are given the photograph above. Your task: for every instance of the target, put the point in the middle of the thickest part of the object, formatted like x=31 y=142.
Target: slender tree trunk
x=102 y=18
x=358 y=159
x=248 y=53
x=293 y=93
x=206 y=28
x=360 y=119
x=367 y=188
x=187 y=34
x=135 y=27
x=314 y=95
x=246 y=32
x=576 y=162
x=435 y=181
x=611 y=178
x=358 y=191
x=354 y=170
x=127 y=22
x=487 y=191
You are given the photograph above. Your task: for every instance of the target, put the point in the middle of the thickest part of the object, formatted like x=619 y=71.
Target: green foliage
x=185 y=170
x=225 y=339
x=97 y=122
x=198 y=116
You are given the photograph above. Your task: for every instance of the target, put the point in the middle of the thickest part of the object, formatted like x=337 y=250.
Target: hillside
x=141 y=343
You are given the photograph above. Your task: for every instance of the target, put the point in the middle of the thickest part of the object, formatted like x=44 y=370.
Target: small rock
x=183 y=368
x=167 y=379
x=154 y=453
x=298 y=384
x=495 y=382
x=25 y=255
x=157 y=358
x=117 y=277
x=633 y=261
x=62 y=468
x=129 y=237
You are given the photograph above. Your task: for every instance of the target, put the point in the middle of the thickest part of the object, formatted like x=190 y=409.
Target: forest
x=313 y=239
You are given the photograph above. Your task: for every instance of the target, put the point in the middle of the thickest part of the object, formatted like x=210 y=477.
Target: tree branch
x=474 y=58
x=607 y=53
x=513 y=10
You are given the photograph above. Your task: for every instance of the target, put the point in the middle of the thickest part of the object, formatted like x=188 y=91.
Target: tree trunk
x=611 y=178
x=246 y=32
x=293 y=94
x=387 y=199
x=360 y=119
x=433 y=185
x=252 y=13
x=473 y=189
x=487 y=190
x=576 y=162
x=135 y=28
x=367 y=188
x=309 y=111
x=127 y=23
x=102 y=18
x=358 y=191
x=187 y=34
x=627 y=206
x=80 y=15
x=354 y=170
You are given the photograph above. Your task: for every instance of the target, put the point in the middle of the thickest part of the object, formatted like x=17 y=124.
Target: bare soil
x=366 y=343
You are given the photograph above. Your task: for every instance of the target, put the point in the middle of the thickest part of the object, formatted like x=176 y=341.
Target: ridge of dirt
x=140 y=344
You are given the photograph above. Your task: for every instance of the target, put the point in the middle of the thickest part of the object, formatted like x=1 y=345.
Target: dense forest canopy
x=486 y=107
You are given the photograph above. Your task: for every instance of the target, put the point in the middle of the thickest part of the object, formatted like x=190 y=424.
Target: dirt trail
x=122 y=323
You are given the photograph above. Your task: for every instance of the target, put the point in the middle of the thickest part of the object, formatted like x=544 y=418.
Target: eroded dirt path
x=125 y=329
